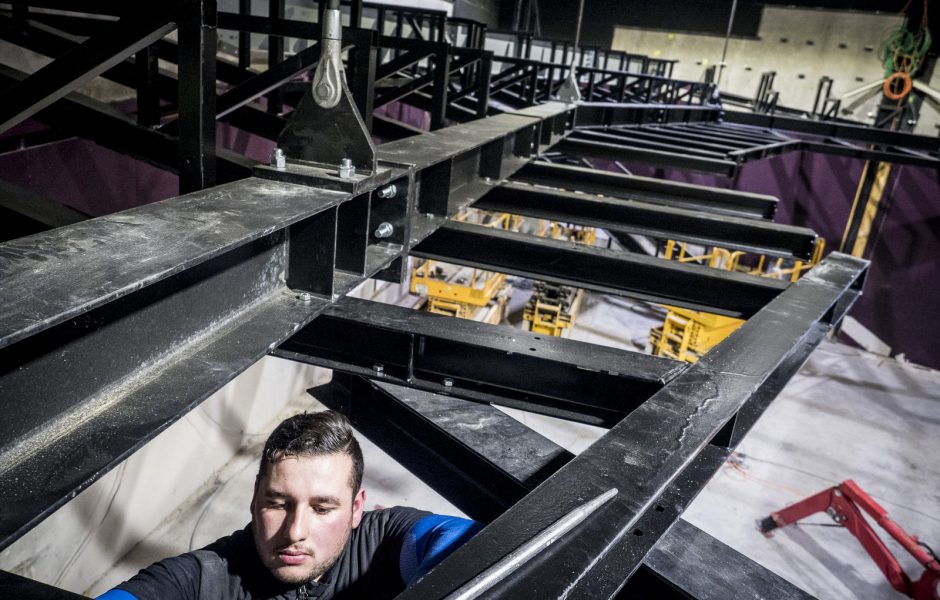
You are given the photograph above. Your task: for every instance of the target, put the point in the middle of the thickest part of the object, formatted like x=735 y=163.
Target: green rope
x=901 y=42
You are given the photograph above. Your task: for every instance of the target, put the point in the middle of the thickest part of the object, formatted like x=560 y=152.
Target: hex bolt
x=305 y=297
x=388 y=191
x=384 y=230
x=346 y=168
x=278 y=159
x=379 y=369
x=448 y=382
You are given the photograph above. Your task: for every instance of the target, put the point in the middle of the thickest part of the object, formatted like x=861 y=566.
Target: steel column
x=662 y=451
x=197 y=46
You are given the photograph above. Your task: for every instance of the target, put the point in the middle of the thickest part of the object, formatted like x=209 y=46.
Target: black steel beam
x=872 y=154
x=99 y=122
x=648 y=189
x=485 y=470
x=87 y=60
x=21 y=588
x=835 y=129
x=659 y=222
x=693 y=564
x=37 y=207
x=481 y=362
x=183 y=294
x=662 y=451
x=641 y=141
x=478 y=457
x=609 y=271
x=667 y=136
x=197 y=95
x=251 y=89
x=606 y=114
x=145 y=313
x=627 y=153
x=98 y=7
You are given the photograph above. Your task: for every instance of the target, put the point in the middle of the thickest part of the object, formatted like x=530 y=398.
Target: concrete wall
x=840 y=44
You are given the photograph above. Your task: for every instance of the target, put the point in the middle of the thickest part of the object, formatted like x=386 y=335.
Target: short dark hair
x=314 y=434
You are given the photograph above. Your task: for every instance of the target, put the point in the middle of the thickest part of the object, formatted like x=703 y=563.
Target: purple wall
x=902 y=288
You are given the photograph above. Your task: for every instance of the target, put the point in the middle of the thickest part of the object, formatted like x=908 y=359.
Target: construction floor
x=846 y=415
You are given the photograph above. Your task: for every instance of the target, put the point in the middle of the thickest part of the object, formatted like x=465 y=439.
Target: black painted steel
x=129 y=321
x=835 y=129
x=122 y=324
x=21 y=588
x=99 y=122
x=648 y=189
x=633 y=153
x=481 y=362
x=609 y=271
x=476 y=456
x=328 y=135
x=659 y=222
x=485 y=470
x=79 y=65
x=690 y=560
x=665 y=441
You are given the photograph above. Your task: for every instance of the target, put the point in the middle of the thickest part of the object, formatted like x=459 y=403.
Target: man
x=309 y=536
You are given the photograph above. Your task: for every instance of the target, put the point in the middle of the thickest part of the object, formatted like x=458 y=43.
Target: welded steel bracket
x=326 y=127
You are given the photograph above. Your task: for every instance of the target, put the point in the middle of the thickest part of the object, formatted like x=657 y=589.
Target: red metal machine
x=844 y=503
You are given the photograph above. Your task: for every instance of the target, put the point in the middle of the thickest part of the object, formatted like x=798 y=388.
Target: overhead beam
x=569 y=379
x=648 y=189
x=598 y=269
x=835 y=129
x=628 y=153
x=659 y=222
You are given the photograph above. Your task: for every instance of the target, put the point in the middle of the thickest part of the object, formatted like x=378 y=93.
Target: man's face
x=302 y=512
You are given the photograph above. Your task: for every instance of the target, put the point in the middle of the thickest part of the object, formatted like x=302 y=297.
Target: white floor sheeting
x=846 y=415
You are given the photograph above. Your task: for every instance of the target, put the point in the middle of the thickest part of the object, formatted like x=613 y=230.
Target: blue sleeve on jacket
x=116 y=595
x=430 y=541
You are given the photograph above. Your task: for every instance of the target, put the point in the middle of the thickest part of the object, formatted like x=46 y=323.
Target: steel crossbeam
x=658 y=222
x=602 y=270
x=649 y=190
x=576 y=381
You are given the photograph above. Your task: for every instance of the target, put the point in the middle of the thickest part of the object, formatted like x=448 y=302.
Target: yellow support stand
x=688 y=334
x=552 y=309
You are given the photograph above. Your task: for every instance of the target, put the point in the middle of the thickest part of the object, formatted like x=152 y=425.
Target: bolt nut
x=305 y=297
x=278 y=159
x=448 y=382
x=384 y=230
x=346 y=168
x=379 y=369
x=388 y=191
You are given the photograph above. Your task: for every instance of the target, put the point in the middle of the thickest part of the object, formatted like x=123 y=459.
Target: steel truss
x=142 y=314
x=111 y=329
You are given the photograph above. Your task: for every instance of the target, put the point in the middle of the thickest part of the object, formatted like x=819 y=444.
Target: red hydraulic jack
x=842 y=503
